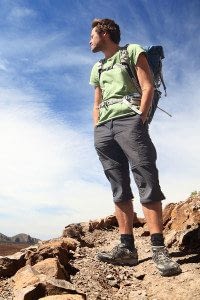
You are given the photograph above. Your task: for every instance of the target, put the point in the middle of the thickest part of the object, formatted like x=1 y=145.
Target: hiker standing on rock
x=121 y=139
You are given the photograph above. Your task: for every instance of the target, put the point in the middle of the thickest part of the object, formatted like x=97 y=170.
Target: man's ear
x=106 y=35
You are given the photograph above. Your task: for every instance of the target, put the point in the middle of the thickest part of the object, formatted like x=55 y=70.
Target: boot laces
x=162 y=256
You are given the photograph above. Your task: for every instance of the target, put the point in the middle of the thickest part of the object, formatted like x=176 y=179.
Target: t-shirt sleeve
x=134 y=51
x=94 y=76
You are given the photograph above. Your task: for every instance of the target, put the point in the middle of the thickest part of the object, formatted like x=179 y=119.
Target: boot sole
x=169 y=273
x=124 y=262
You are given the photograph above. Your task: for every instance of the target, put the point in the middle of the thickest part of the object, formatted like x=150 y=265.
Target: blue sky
x=50 y=175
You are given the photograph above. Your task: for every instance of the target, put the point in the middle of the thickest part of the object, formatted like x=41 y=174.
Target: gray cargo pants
x=123 y=142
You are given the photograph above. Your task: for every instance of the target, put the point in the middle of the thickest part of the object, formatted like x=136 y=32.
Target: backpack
x=154 y=55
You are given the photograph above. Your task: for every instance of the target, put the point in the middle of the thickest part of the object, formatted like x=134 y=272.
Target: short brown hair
x=109 y=26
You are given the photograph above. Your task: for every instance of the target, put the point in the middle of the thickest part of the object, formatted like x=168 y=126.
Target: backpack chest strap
x=131 y=101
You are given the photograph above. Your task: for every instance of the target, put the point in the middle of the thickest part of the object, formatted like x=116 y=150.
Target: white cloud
x=18 y=13
x=69 y=56
x=3 y=64
x=177 y=139
x=45 y=163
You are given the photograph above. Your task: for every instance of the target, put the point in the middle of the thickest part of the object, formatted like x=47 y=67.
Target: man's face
x=96 y=41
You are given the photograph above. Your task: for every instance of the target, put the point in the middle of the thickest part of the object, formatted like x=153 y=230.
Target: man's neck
x=110 y=50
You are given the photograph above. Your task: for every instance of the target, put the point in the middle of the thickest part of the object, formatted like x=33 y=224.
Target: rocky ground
x=90 y=279
x=103 y=281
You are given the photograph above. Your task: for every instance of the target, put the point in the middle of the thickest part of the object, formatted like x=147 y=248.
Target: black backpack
x=154 y=55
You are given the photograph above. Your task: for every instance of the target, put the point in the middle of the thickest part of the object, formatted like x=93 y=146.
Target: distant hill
x=18 y=239
x=4 y=238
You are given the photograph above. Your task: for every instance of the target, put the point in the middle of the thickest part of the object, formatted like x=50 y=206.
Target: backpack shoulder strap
x=100 y=66
x=125 y=60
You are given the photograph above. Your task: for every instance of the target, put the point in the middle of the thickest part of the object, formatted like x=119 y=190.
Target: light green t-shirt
x=115 y=83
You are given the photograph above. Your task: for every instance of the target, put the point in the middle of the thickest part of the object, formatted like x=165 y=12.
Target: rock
x=127 y=283
x=167 y=213
x=78 y=231
x=28 y=282
x=25 y=277
x=64 y=297
x=110 y=277
x=30 y=292
x=139 y=275
x=51 y=267
x=65 y=243
x=114 y=283
x=103 y=223
x=58 y=286
x=73 y=231
x=55 y=248
x=170 y=238
x=182 y=224
x=59 y=248
x=9 y=265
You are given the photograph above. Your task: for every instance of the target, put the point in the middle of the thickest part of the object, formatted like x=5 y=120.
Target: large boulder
x=51 y=267
x=25 y=281
x=182 y=224
x=44 y=278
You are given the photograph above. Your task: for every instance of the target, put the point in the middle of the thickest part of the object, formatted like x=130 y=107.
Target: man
x=122 y=139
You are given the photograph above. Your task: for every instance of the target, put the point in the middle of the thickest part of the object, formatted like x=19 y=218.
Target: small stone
x=127 y=283
x=121 y=277
x=113 y=283
x=110 y=277
x=139 y=275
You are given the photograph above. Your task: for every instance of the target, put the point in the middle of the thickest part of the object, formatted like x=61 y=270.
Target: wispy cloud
x=68 y=56
x=18 y=13
x=177 y=139
x=3 y=65
x=43 y=163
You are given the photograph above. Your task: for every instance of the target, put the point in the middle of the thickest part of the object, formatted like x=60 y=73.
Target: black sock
x=128 y=240
x=157 y=239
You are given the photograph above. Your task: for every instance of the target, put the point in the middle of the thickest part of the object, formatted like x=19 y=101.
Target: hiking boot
x=119 y=255
x=164 y=263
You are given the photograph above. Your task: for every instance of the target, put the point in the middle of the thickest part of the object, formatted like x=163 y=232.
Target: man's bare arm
x=97 y=101
x=146 y=84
